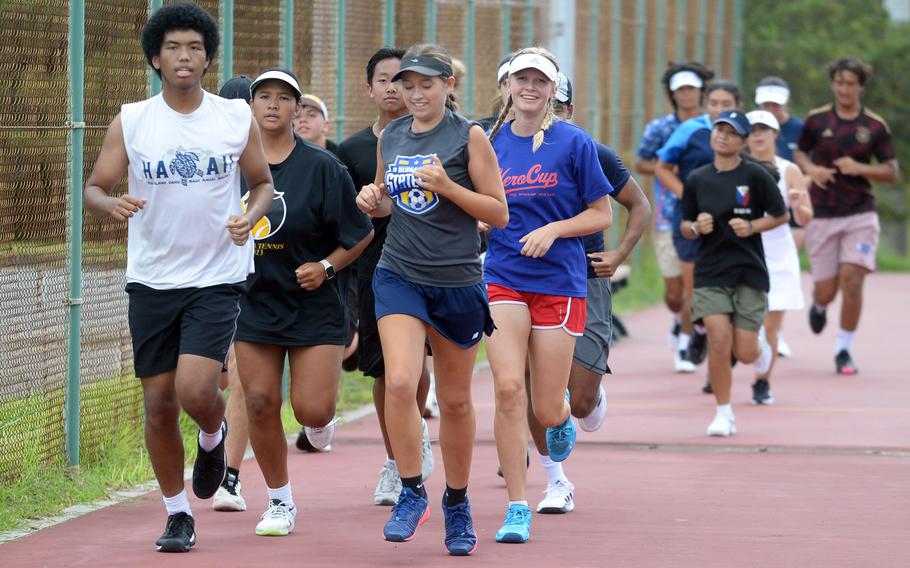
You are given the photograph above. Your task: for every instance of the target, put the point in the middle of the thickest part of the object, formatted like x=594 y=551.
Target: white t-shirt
x=186 y=166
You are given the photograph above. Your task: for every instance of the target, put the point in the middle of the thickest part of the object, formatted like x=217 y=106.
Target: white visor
x=763 y=117
x=503 y=72
x=772 y=94
x=533 y=61
x=278 y=76
x=685 y=79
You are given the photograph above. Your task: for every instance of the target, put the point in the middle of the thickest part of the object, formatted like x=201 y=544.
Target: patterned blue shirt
x=656 y=135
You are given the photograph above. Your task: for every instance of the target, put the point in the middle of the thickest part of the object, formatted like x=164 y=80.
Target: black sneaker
x=179 y=534
x=844 y=363
x=210 y=467
x=698 y=348
x=761 y=392
x=303 y=443
x=707 y=388
x=817 y=319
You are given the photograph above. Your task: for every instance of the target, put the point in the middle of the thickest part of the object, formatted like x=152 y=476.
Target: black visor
x=429 y=66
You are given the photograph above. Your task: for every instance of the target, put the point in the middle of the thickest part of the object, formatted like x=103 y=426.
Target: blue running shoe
x=517 y=526
x=409 y=513
x=561 y=439
x=460 y=537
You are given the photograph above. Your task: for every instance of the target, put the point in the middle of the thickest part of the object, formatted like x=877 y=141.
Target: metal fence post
x=529 y=23
x=470 y=51
x=681 y=9
x=154 y=79
x=659 y=47
x=339 y=69
x=506 y=28
x=594 y=71
x=719 y=35
x=388 y=28
x=287 y=28
x=431 y=21
x=615 y=91
x=227 y=40
x=738 y=41
x=702 y=31
x=77 y=133
x=638 y=115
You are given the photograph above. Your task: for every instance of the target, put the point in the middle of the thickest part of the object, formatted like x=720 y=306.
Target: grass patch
x=886 y=261
x=113 y=458
x=646 y=285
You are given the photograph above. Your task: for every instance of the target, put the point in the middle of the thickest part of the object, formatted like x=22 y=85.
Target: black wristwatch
x=329 y=269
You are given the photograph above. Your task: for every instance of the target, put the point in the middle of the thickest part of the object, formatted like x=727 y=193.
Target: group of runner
x=722 y=178
x=407 y=202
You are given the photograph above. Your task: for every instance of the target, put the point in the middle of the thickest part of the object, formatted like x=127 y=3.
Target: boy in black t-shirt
x=724 y=204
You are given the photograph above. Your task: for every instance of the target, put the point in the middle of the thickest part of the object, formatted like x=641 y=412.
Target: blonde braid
x=547 y=121
x=502 y=117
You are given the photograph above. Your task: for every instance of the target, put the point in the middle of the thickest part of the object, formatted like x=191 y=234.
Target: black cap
x=429 y=66
x=236 y=88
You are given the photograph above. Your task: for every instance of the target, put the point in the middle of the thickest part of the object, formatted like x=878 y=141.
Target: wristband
x=694 y=228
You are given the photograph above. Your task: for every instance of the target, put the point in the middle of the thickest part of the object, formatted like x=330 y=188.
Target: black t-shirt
x=748 y=192
x=618 y=176
x=358 y=153
x=331 y=147
x=313 y=212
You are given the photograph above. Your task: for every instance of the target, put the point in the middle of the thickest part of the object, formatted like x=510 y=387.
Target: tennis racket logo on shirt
x=272 y=221
x=402 y=185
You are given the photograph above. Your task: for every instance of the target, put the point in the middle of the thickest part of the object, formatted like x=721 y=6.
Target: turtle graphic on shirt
x=184 y=165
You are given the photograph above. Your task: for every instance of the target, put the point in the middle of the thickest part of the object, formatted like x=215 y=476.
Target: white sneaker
x=558 y=498
x=321 y=438
x=592 y=421
x=722 y=426
x=427 y=462
x=681 y=364
x=225 y=500
x=432 y=407
x=783 y=348
x=389 y=486
x=278 y=519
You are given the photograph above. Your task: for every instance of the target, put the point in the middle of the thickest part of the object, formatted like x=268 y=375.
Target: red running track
x=818 y=479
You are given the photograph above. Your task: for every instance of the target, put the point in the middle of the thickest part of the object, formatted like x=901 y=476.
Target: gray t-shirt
x=431 y=241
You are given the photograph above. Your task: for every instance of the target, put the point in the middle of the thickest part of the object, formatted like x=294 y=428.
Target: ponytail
x=547 y=121
x=502 y=117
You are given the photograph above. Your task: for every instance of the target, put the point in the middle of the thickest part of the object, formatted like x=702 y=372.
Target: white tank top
x=186 y=166
x=780 y=249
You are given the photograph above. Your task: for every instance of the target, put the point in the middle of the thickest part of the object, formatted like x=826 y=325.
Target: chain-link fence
x=621 y=48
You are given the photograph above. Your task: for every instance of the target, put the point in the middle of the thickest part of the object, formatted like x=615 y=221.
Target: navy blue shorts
x=686 y=249
x=461 y=315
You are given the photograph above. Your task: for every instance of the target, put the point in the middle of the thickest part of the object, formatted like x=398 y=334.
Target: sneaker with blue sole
x=461 y=540
x=561 y=439
x=517 y=526
x=411 y=511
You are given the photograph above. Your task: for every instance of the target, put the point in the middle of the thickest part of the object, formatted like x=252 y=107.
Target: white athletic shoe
x=558 y=498
x=432 y=408
x=427 y=462
x=681 y=364
x=225 y=500
x=783 y=348
x=278 y=519
x=321 y=438
x=592 y=421
x=722 y=426
x=389 y=486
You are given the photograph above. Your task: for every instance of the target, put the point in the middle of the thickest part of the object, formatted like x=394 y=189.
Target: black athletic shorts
x=369 y=348
x=165 y=324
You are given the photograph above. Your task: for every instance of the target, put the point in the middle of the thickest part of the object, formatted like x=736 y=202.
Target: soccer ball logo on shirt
x=401 y=184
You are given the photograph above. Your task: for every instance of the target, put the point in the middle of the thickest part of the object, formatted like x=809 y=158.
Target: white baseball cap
x=533 y=61
x=308 y=99
x=772 y=94
x=685 y=79
x=763 y=117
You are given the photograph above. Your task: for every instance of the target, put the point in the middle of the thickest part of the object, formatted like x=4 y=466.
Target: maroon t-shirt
x=826 y=137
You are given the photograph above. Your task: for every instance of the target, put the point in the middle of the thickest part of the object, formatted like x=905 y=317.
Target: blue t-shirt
x=554 y=183
x=689 y=148
x=788 y=137
x=656 y=135
x=617 y=175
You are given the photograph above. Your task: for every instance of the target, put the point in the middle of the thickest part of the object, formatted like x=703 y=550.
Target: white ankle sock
x=525 y=503
x=283 y=494
x=179 y=503
x=726 y=410
x=209 y=441
x=765 y=356
x=683 y=341
x=844 y=340
x=553 y=469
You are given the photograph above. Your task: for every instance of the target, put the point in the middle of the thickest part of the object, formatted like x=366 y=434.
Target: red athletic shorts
x=547 y=312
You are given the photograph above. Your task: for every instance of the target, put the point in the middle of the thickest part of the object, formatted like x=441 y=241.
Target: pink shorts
x=547 y=312
x=842 y=240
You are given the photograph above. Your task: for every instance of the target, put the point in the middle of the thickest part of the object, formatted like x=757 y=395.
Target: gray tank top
x=430 y=241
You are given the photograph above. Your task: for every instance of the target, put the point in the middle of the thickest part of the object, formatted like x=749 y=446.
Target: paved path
x=822 y=478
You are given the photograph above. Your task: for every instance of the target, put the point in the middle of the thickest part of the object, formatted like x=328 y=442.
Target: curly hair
x=674 y=67
x=855 y=65
x=179 y=16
